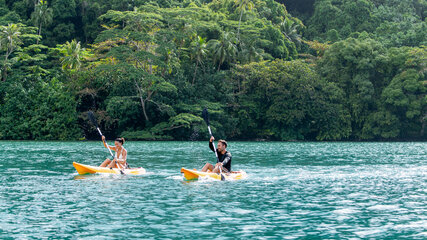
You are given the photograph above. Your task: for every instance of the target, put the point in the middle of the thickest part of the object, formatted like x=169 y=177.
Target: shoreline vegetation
x=285 y=70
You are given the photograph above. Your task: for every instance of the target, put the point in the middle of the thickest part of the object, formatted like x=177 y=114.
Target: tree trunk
x=143 y=108
x=195 y=71
x=238 y=28
x=4 y=73
x=40 y=33
x=219 y=62
x=141 y=98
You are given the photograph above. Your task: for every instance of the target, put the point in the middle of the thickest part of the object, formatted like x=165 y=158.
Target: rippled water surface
x=293 y=191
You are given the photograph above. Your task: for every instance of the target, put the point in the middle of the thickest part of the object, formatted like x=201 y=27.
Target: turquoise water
x=294 y=191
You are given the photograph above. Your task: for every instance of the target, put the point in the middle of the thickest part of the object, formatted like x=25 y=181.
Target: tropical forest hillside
x=265 y=69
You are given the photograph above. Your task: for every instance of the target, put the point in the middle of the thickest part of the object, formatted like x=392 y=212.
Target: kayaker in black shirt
x=224 y=158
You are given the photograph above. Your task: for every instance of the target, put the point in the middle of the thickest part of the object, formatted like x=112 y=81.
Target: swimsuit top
x=121 y=154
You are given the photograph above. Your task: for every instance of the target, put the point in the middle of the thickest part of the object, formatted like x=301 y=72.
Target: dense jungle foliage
x=265 y=69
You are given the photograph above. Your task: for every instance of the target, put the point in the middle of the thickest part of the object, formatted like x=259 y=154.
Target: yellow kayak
x=194 y=174
x=85 y=169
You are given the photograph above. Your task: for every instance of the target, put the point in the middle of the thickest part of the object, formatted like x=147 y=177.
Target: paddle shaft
x=111 y=153
x=213 y=144
x=216 y=153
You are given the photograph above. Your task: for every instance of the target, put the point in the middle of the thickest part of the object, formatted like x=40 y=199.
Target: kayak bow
x=86 y=169
x=194 y=174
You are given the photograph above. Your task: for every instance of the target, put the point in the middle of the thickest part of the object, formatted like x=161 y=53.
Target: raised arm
x=211 y=146
x=106 y=145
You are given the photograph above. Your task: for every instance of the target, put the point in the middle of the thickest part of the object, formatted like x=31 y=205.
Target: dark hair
x=223 y=142
x=120 y=140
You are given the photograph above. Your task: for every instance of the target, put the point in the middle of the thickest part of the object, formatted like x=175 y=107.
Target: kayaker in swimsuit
x=224 y=158
x=120 y=154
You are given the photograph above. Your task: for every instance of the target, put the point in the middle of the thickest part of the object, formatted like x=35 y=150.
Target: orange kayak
x=86 y=169
x=194 y=174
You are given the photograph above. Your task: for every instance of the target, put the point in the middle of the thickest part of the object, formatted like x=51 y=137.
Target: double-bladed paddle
x=93 y=120
x=205 y=115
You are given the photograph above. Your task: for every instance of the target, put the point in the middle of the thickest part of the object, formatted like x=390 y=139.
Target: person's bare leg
x=105 y=163
x=216 y=169
x=112 y=164
x=207 y=167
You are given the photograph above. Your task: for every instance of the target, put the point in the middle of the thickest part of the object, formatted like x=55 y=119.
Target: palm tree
x=10 y=39
x=198 y=51
x=73 y=55
x=289 y=28
x=242 y=6
x=250 y=53
x=224 y=49
x=42 y=15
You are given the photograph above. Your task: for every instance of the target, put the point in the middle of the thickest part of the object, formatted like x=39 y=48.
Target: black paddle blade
x=222 y=178
x=205 y=115
x=92 y=118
